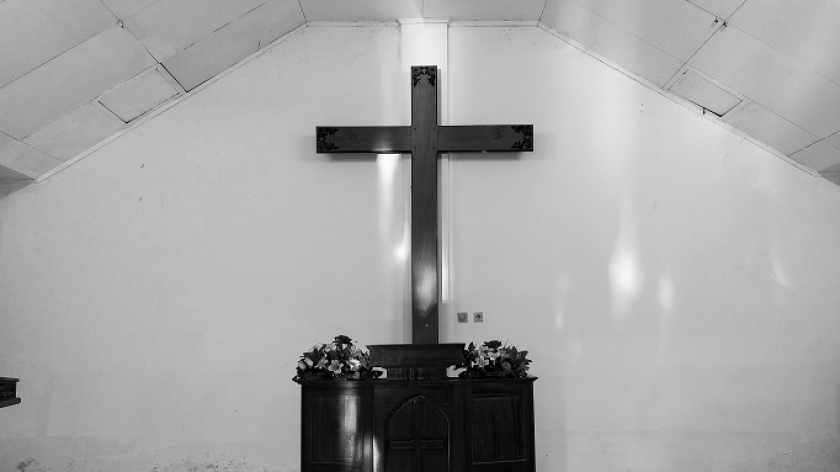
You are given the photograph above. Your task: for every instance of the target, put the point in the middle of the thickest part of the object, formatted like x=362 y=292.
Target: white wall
x=675 y=284
x=155 y=297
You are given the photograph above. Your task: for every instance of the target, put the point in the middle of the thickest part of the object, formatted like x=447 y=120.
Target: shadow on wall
x=9 y=188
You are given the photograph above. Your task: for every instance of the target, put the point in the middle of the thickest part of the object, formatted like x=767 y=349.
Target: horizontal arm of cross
x=486 y=138
x=397 y=139
x=375 y=139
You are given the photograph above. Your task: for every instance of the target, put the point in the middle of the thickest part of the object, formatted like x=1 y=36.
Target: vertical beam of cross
x=425 y=263
x=424 y=139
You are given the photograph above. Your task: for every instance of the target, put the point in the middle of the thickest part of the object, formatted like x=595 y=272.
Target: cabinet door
x=417 y=438
x=335 y=433
x=500 y=428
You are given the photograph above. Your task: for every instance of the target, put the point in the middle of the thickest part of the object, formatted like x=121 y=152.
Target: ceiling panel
x=125 y=8
x=676 y=27
x=818 y=156
x=23 y=158
x=169 y=26
x=70 y=80
x=361 y=10
x=34 y=31
x=605 y=38
x=484 y=10
x=771 y=79
x=807 y=32
x=138 y=95
x=720 y=8
x=770 y=128
x=234 y=42
x=75 y=132
x=698 y=89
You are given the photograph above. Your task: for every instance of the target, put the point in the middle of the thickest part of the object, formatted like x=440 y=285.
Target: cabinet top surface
x=418 y=383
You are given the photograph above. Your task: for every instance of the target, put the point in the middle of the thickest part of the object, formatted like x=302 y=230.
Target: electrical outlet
x=478 y=317
x=462 y=317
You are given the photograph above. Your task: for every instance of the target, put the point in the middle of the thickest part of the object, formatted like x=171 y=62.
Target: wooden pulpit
x=417 y=419
x=455 y=425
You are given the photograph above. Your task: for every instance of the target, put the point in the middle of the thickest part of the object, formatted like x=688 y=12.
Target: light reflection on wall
x=625 y=272
x=665 y=296
x=779 y=272
x=388 y=166
x=395 y=236
x=562 y=288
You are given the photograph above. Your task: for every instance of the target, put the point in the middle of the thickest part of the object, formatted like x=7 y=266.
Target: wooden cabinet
x=8 y=392
x=481 y=425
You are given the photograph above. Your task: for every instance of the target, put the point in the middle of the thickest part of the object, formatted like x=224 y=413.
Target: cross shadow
x=351 y=157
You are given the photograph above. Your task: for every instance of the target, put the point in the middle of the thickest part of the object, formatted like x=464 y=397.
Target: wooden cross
x=424 y=139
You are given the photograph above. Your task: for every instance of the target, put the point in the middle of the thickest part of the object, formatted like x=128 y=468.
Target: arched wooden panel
x=417 y=438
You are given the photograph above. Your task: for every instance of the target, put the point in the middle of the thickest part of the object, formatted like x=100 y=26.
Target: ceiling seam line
x=122 y=25
x=109 y=9
x=302 y=12
x=812 y=144
x=626 y=30
x=221 y=27
x=60 y=54
x=739 y=7
x=542 y=13
x=787 y=56
x=718 y=30
x=174 y=78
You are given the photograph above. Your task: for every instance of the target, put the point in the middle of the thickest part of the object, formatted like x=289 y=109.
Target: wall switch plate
x=478 y=317
x=462 y=317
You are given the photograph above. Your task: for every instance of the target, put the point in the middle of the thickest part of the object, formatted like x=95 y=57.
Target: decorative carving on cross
x=430 y=72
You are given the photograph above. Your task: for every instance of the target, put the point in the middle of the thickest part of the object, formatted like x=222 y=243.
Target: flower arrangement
x=342 y=359
x=494 y=359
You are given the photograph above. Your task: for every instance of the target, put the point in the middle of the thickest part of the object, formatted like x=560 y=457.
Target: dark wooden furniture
x=454 y=425
x=419 y=421
x=8 y=395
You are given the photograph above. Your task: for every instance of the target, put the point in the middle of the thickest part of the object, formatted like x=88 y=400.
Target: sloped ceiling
x=74 y=73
